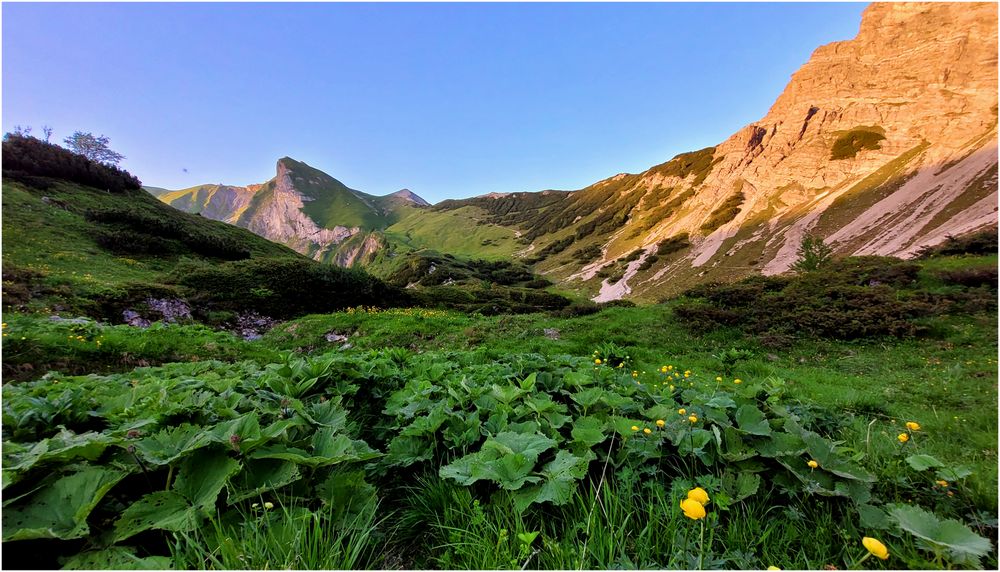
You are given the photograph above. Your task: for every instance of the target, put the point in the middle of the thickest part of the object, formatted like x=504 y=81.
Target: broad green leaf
x=60 y=509
x=405 y=451
x=260 y=476
x=560 y=480
x=740 y=485
x=349 y=496
x=825 y=452
x=721 y=402
x=170 y=444
x=115 y=558
x=588 y=397
x=750 y=420
x=530 y=445
x=588 y=431
x=873 y=517
x=964 y=544
x=923 y=462
x=202 y=476
x=465 y=470
x=164 y=510
x=578 y=379
x=511 y=471
x=506 y=394
x=63 y=447
x=782 y=445
x=953 y=473
x=241 y=434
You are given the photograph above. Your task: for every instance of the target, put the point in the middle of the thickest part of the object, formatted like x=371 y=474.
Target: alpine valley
x=856 y=151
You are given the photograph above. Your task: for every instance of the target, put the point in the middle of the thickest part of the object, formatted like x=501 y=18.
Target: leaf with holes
x=163 y=510
x=60 y=509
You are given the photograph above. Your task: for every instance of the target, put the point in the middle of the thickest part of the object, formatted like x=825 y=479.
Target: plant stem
x=170 y=476
x=701 y=545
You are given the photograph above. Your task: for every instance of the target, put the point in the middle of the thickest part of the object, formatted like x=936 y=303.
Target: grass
x=624 y=515
x=462 y=231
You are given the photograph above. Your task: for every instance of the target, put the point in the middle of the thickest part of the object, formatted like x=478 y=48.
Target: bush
x=978 y=243
x=282 y=288
x=849 y=144
x=28 y=158
x=970 y=277
x=856 y=297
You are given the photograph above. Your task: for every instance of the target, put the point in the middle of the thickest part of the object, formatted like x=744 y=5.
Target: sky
x=448 y=100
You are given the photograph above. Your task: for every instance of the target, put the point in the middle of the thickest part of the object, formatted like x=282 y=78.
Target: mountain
x=881 y=145
x=303 y=208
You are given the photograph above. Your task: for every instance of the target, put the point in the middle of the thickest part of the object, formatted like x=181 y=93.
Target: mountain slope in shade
x=303 y=208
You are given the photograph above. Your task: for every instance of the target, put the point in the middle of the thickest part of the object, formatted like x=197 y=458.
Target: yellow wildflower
x=773 y=568
x=634 y=428
x=812 y=464
x=737 y=381
x=693 y=418
x=875 y=547
x=662 y=369
x=268 y=505
x=903 y=437
x=597 y=361
x=693 y=509
x=913 y=426
x=681 y=411
x=718 y=379
x=698 y=494
x=943 y=484
x=660 y=422
x=646 y=431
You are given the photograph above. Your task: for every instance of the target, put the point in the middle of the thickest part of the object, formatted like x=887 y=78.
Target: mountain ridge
x=882 y=144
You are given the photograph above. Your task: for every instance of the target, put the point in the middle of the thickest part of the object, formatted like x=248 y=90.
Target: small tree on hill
x=93 y=148
x=813 y=254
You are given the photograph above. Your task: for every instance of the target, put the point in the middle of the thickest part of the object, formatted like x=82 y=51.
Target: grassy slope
x=60 y=243
x=460 y=232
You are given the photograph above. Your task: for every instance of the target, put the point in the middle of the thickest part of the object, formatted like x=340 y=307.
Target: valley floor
x=408 y=438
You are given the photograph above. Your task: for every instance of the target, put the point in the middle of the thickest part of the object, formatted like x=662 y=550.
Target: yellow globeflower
x=646 y=431
x=875 y=547
x=773 y=568
x=913 y=426
x=903 y=437
x=737 y=381
x=812 y=464
x=269 y=505
x=693 y=509
x=660 y=422
x=942 y=483
x=698 y=494
x=681 y=411
x=662 y=369
x=693 y=418
x=718 y=379
x=634 y=428
x=597 y=361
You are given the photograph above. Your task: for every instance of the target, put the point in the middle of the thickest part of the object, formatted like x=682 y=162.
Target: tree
x=47 y=131
x=813 y=254
x=93 y=148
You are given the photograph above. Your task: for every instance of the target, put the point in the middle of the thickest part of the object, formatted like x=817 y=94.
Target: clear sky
x=448 y=100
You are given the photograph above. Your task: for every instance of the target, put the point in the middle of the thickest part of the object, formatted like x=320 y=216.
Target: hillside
x=79 y=237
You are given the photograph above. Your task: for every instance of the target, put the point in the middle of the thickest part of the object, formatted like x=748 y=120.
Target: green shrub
x=978 y=243
x=850 y=143
x=725 y=212
x=30 y=160
x=297 y=286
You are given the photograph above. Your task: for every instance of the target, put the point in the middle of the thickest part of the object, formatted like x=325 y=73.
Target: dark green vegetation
x=849 y=298
x=34 y=162
x=443 y=439
x=848 y=144
x=724 y=213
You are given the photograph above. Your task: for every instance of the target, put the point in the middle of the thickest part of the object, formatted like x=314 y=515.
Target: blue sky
x=449 y=100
